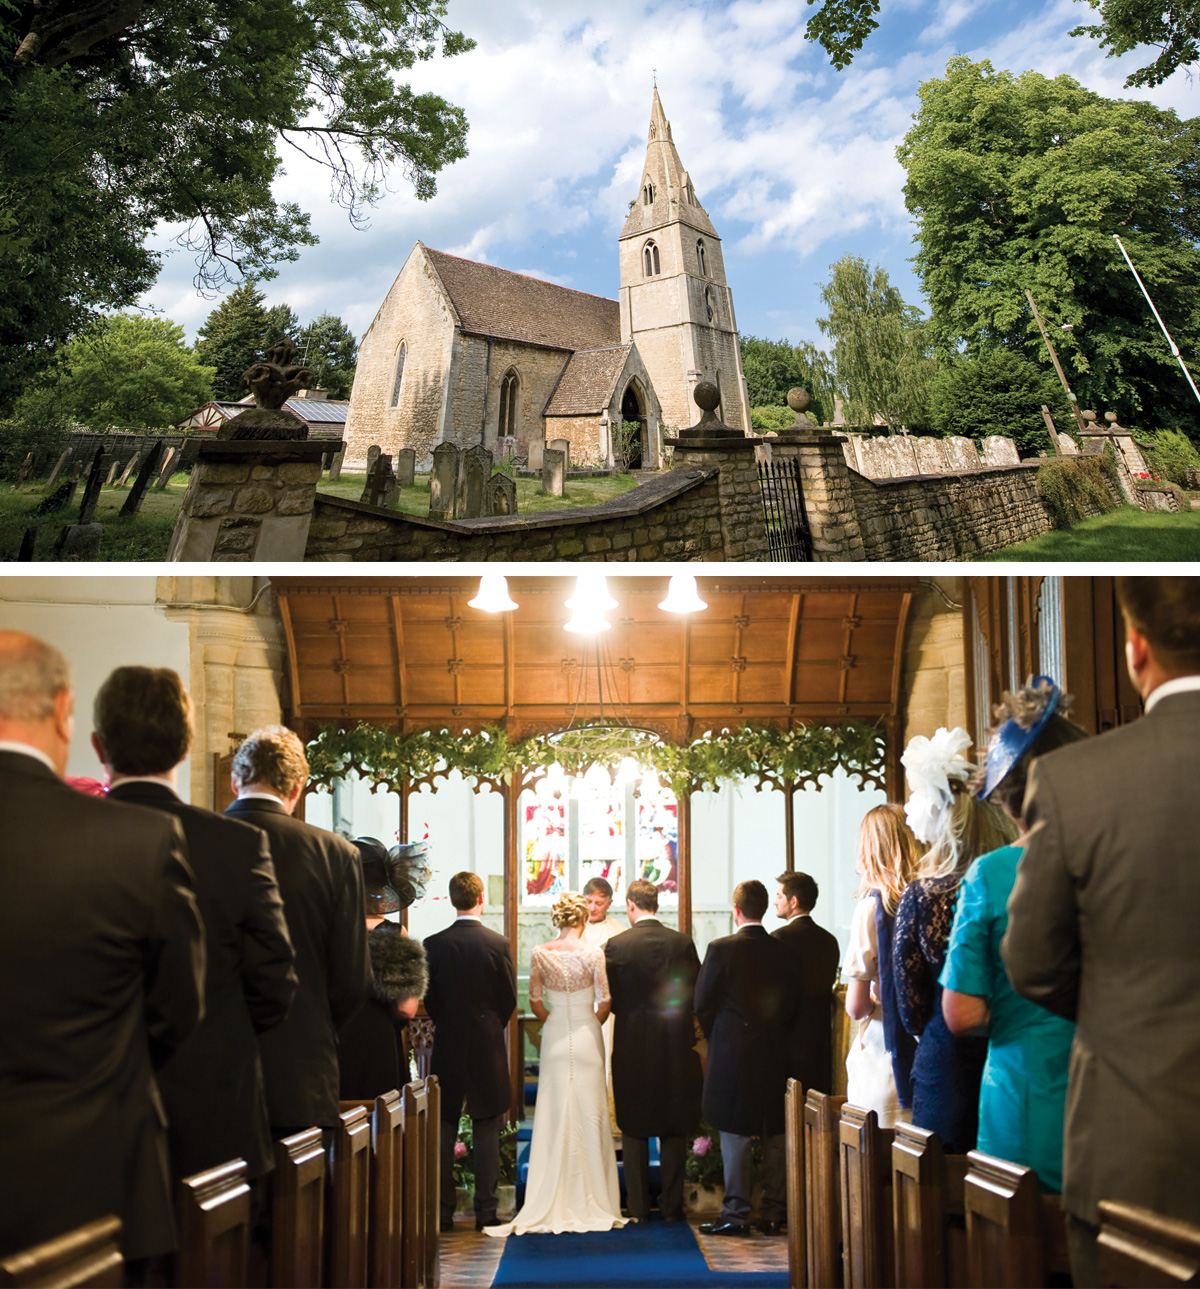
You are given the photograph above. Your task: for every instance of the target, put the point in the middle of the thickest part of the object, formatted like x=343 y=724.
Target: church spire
x=666 y=191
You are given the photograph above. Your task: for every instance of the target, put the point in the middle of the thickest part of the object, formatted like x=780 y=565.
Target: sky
x=794 y=162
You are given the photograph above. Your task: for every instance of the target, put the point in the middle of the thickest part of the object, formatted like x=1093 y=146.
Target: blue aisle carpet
x=648 y=1254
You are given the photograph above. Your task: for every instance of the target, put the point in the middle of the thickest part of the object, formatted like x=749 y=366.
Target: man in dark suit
x=652 y=974
x=212 y=1087
x=101 y=978
x=810 y=1039
x=471 y=996
x=320 y=880
x=745 y=1001
x=1103 y=923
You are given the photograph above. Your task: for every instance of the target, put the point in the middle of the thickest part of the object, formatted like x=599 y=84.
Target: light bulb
x=492 y=596
x=682 y=596
x=591 y=590
x=587 y=621
x=628 y=771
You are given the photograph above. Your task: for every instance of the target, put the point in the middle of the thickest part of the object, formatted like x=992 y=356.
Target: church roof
x=673 y=197
x=510 y=306
x=587 y=383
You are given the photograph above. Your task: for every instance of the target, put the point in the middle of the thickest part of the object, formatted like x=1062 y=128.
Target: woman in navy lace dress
x=946 y=1071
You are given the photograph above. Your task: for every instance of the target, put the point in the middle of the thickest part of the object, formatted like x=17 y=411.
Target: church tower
x=675 y=304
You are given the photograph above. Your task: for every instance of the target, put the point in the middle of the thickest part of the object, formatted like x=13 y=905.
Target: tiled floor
x=469 y=1258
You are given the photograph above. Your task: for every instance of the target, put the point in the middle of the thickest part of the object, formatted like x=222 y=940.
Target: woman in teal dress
x=1024 y=1088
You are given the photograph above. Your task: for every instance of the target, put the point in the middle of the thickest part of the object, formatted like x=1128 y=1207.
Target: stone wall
x=673 y=516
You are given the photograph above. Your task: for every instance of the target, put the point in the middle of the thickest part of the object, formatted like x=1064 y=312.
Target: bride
x=572 y=1182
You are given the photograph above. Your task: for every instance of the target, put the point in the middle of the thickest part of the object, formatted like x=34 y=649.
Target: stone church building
x=467 y=353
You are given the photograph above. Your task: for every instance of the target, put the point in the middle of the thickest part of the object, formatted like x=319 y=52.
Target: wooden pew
x=89 y=1255
x=349 y=1199
x=387 y=1190
x=1015 y=1235
x=794 y=1130
x=822 y=1190
x=298 y=1211
x=1139 y=1249
x=864 y=1151
x=433 y=1175
x=927 y=1209
x=212 y=1211
x=420 y=1139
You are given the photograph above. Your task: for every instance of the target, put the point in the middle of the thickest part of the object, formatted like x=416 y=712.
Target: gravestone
x=25 y=471
x=57 y=471
x=91 y=490
x=335 y=464
x=28 y=542
x=501 y=496
x=406 y=467
x=997 y=450
x=373 y=453
x=536 y=449
x=476 y=471
x=554 y=464
x=962 y=456
x=168 y=468
x=112 y=473
x=1067 y=445
x=563 y=446
x=931 y=455
x=60 y=498
x=443 y=481
x=391 y=485
x=78 y=541
x=124 y=479
x=381 y=482
x=133 y=503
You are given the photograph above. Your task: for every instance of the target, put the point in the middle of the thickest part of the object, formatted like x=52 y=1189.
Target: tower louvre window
x=648 y=194
x=708 y=302
x=701 y=257
x=399 y=375
x=650 y=260
x=508 y=404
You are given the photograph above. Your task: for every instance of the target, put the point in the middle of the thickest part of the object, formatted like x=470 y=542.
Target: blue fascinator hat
x=1013 y=740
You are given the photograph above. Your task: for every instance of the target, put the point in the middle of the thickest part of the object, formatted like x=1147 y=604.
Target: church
x=467 y=353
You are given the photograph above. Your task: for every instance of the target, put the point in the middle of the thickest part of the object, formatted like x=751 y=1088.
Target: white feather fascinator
x=929 y=765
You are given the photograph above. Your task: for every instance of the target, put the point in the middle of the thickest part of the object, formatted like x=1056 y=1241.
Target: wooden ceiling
x=409 y=652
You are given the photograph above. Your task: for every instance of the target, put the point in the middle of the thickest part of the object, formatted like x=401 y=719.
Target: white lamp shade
x=591 y=591
x=587 y=621
x=492 y=596
x=682 y=596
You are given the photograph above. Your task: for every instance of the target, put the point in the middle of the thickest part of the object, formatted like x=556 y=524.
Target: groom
x=472 y=993
x=652 y=974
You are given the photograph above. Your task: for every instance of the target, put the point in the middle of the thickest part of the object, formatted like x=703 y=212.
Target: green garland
x=386 y=759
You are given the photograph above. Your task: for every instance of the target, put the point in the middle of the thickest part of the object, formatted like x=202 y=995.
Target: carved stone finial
x=272 y=383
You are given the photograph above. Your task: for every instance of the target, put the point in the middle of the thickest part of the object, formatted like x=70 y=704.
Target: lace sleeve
x=600 y=973
x=535 y=976
x=914 y=984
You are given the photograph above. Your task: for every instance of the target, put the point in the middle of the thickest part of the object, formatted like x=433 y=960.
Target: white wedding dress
x=572 y=1180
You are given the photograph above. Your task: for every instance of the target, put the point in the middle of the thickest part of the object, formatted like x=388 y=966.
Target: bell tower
x=675 y=303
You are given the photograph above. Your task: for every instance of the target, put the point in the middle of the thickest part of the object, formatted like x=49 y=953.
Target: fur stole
x=397 y=964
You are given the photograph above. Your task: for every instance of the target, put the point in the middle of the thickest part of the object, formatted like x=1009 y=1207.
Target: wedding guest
x=810 y=1039
x=745 y=1001
x=1102 y=926
x=946 y=1069
x=212 y=1086
x=371 y=1054
x=321 y=883
x=879 y=1062
x=1024 y=1089
x=472 y=995
x=101 y=979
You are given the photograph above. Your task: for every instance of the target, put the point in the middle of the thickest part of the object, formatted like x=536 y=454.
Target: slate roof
x=510 y=306
x=586 y=385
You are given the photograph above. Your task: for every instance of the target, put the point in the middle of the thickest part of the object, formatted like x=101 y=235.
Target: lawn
x=1125 y=534
x=146 y=536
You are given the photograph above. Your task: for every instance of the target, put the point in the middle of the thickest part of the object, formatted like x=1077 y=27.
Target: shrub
x=997 y=392
x=1171 y=455
x=45 y=439
x=771 y=418
x=1069 y=485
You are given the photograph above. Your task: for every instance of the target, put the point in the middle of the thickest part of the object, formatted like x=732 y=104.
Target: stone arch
x=651 y=263
x=702 y=257
x=510 y=403
x=401 y=353
x=647 y=193
x=634 y=408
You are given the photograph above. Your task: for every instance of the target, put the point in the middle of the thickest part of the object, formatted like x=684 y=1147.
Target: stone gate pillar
x=710 y=444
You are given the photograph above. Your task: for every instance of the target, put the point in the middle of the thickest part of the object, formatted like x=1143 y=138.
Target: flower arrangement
x=704 y=1163
x=464 y=1155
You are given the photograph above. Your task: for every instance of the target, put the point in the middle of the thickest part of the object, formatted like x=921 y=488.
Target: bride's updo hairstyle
x=569 y=910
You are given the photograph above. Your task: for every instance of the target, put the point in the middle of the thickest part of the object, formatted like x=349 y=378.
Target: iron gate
x=788 y=534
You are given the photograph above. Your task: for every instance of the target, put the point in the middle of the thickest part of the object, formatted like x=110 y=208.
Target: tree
x=772 y=367
x=282 y=320
x=131 y=370
x=880 y=350
x=996 y=392
x=118 y=115
x=1020 y=182
x=1126 y=24
x=330 y=349
x=232 y=339
x=841 y=27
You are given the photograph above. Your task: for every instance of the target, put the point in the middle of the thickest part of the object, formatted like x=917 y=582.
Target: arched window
x=647 y=194
x=508 y=405
x=650 y=260
x=701 y=257
x=399 y=376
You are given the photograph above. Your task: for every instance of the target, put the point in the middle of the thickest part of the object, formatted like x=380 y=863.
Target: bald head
x=35 y=696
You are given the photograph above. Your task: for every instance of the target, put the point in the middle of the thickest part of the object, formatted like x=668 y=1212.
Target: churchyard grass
x=1124 y=534
x=144 y=536
x=530 y=497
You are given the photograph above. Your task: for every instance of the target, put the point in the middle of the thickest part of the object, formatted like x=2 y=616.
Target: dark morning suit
x=320 y=879
x=212 y=1087
x=101 y=977
x=810 y=1037
x=745 y=1001
x=1102 y=929
x=652 y=974
x=472 y=993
